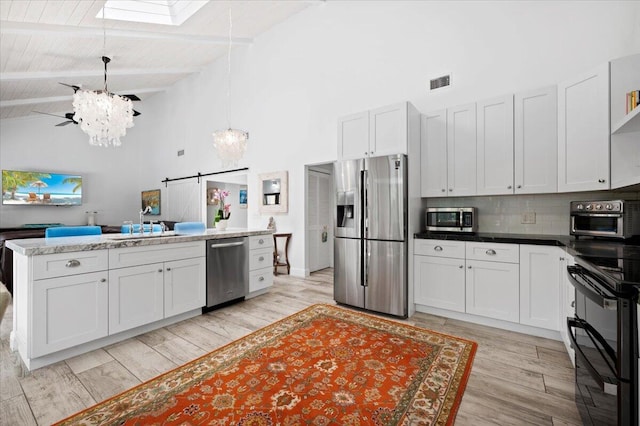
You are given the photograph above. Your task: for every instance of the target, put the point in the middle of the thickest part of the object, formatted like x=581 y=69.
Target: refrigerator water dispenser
x=344 y=203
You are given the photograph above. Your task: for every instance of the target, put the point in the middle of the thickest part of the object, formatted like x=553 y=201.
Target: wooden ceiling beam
x=32 y=29
x=46 y=75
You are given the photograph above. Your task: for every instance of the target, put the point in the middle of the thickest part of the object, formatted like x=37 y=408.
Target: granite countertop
x=41 y=246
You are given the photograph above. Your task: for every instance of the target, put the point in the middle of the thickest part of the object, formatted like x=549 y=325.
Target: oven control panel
x=596 y=206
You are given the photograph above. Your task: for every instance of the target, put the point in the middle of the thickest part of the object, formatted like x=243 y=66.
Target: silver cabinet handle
x=562 y=259
x=461 y=266
x=450 y=189
x=509 y=187
x=72 y=263
x=168 y=269
x=261 y=279
x=437 y=248
x=601 y=180
x=159 y=270
x=491 y=252
x=260 y=241
x=443 y=190
x=261 y=258
x=573 y=303
x=469 y=267
x=104 y=280
x=519 y=186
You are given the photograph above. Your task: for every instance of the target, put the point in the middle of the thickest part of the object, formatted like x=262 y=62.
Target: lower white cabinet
x=492 y=289
x=68 y=311
x=508 y=282
x=183 y=285
x=440 y=282
x=136 y=296
x=539 y=280
x=260 y=263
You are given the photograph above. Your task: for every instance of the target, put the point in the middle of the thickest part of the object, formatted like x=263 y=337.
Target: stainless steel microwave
x=612 y=219
x=451 y=219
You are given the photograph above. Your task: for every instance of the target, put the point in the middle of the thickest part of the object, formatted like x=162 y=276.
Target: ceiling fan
x=68 y=116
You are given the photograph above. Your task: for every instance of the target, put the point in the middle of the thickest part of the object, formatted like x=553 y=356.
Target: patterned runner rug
x=324 y=365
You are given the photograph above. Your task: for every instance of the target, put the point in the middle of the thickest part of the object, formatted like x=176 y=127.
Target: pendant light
x=231 y=144
x=103 y=115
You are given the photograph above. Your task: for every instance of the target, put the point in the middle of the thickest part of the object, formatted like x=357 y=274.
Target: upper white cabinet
x=536 y=141
x=625 y=127
x=461 y=150
x=353 y=136
x=433 y=160
x=495 y=146
x=583 y=132
x=378 y=132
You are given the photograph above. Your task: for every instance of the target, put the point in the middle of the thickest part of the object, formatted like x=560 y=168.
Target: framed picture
x=151 y=198
x=242 y=197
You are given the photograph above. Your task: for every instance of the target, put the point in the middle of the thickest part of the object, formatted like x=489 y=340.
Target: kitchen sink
x=137 y=236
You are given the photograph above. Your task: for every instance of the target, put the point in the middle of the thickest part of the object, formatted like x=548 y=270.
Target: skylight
x=166 y=12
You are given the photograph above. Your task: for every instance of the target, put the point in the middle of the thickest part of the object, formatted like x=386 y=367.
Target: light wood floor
x=516 y=379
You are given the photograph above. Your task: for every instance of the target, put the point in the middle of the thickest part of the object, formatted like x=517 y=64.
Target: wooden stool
x=277 y=261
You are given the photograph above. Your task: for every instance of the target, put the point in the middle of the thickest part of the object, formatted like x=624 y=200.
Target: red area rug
x=324 y=365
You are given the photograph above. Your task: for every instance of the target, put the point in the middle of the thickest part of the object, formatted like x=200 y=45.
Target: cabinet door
x=388 y=130
x=540 y=286
x=536 y=141
x=495 y=146
x=184 y=286
x=353 y=136
x=492 y=290
x=461 y=150
x=68 y=311
x=433 y=154
x=135 y=296
x=439 y=282
x=583 y=132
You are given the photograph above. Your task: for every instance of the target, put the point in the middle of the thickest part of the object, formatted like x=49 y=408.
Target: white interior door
x=319 y=220
x=184 y=201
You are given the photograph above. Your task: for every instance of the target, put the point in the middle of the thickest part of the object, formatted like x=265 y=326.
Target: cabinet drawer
x=260 y=241
x=509 y=253
x=64 y=264
x=261 y=258
x=440 y=248
x=134 y=256
x=260 y=279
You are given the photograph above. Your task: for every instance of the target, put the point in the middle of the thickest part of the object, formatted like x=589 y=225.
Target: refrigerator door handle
x=366 y=257
x=364 y=175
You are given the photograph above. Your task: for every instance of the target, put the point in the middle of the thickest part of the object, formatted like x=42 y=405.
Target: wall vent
x=443 y=81
x=181 y=153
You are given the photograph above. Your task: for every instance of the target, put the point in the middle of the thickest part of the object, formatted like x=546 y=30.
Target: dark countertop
x=599 y=252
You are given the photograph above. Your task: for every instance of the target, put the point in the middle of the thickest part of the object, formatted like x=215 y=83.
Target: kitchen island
x=76 y=294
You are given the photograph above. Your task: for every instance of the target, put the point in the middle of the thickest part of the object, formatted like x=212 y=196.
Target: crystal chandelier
x=102 y=115
x=231 y=144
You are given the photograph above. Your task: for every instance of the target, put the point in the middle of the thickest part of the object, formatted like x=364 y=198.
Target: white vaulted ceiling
x=44 y=42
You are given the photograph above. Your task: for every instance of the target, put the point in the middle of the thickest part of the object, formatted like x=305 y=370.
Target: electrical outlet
x=528 y=218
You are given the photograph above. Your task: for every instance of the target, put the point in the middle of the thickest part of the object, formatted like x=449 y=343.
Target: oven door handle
x=610 y=385
x=593 y=291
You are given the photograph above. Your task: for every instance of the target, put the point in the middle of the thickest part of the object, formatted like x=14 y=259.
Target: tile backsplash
x=504 y=213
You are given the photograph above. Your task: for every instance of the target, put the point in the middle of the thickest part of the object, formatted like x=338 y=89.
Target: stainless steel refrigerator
x=370 y=243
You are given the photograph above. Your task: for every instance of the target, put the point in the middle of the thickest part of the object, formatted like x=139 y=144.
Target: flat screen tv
x=22 y=188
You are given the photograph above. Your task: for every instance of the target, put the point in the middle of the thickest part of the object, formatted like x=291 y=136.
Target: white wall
x=340 y=57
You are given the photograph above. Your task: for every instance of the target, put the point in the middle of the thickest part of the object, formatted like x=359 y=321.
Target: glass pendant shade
x=231 y=145
x=104 y=116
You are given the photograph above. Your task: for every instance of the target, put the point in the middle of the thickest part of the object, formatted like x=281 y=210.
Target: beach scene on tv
x=36 y=188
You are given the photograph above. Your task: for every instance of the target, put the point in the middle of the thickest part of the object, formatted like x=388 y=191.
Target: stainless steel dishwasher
x=227 y=270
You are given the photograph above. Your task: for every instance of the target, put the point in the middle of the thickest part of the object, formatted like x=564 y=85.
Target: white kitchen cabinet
x=183 y=285
x=461 y=150
x=625 y=127
x=495 y=146
x=492 y=290
x=536 y=141
x=540 y=286
x=492 y=280
x=440 y=282
x=68 y=311
x=374 y=133
x=353 y=136
x=568 y=304
x=433 y=154
x=583 y=132
x=136 y=296
x=260 y=264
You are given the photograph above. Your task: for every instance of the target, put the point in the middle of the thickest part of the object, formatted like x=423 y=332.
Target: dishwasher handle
x=226 y=245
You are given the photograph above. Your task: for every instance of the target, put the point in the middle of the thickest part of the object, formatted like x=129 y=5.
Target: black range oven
x=604 y=336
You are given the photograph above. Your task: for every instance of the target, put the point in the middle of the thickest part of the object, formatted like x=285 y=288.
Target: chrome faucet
x=130 y=223
x=151 y=226
x=142 y=213
x=163 y=227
